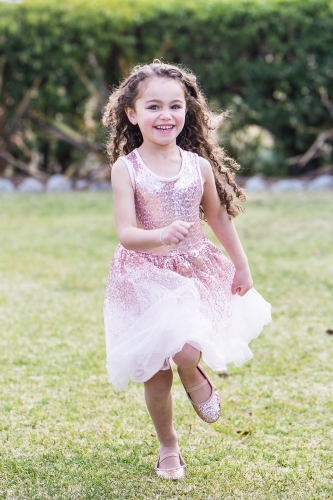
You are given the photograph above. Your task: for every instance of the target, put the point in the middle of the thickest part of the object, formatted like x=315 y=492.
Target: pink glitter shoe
x=209 y=411
x=174 y=473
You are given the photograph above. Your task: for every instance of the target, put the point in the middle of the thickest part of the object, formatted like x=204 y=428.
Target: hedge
x=270 y=62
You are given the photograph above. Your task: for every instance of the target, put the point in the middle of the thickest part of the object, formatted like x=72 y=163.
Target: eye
x=153 y=107
x=176 y=106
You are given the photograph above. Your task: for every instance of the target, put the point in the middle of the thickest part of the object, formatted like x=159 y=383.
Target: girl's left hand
x=242 y=281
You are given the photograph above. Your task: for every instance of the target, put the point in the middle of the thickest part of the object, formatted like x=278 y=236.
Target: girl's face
x=159 y=111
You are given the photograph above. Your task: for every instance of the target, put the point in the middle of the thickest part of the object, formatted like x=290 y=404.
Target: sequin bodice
x=159 y=201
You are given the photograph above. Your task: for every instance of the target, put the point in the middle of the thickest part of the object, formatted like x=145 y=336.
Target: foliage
x=270 y=63
x=66 y=434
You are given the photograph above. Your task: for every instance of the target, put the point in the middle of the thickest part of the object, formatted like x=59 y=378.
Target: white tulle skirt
x=154 y=304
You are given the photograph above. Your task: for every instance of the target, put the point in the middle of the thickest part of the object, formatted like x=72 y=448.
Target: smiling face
x=159 y=111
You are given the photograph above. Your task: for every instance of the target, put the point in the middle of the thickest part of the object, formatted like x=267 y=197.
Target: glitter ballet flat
x=174 y=473
x=209 y=411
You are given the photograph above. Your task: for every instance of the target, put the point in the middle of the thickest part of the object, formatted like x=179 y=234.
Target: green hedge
x=270 y=62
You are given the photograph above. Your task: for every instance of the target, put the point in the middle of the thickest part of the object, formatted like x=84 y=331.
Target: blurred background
x=269 y=63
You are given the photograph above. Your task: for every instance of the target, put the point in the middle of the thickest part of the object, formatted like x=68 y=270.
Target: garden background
x=65 y=433
x=269 y=63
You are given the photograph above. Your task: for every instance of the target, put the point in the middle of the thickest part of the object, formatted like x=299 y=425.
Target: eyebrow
x=158 y=100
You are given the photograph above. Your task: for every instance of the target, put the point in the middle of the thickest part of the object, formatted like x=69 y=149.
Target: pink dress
x=158 y=300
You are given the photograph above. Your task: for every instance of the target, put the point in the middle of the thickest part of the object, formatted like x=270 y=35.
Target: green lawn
x=65 y=433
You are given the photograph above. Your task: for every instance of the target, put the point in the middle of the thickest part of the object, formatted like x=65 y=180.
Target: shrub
x=270 y=63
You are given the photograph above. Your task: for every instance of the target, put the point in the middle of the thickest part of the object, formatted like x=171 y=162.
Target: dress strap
x=196 y=160
x=129 y=168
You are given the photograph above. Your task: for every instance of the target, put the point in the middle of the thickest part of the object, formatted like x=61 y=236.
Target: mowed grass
x=65 y=433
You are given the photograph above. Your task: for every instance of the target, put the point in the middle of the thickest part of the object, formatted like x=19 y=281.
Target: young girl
x=171 y=294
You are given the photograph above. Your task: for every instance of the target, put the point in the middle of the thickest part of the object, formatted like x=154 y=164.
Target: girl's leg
x=187 y=360
x=159 y=404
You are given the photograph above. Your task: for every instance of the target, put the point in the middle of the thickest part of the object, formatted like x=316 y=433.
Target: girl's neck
x=156 y=150
x=165 y=161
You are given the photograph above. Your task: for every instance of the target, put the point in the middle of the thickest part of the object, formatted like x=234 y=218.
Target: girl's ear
x=131 y=115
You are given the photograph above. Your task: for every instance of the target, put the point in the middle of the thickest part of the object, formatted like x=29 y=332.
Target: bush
x=269 y=63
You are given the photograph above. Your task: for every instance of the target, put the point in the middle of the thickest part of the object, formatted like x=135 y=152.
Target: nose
x=165 y=114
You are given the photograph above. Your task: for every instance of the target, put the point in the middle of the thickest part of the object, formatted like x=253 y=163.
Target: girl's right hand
x=175 y=232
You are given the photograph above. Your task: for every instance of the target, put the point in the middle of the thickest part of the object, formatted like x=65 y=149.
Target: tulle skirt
x=154 y=304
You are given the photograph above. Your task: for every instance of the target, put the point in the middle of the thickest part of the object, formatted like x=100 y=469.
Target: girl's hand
x=175 y=232
x=242 y=281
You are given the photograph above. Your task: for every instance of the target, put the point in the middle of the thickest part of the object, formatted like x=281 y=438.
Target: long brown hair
x=197 y=135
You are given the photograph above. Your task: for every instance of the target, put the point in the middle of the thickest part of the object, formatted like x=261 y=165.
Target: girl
x=171 y=294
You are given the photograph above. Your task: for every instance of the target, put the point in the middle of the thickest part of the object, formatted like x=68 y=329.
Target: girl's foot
x=170 y=462
x=170 y=465
x=192 y=378
x=209 y=410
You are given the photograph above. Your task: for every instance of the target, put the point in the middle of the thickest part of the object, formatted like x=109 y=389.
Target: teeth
x=165 y=128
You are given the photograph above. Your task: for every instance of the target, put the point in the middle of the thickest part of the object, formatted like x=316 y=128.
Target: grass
x=65 y=433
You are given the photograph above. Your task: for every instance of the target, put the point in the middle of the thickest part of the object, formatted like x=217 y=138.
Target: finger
x=187 y=225
x=181 y=231
x=180 y=236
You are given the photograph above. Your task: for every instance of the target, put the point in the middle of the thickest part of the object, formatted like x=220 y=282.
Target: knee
x=160 y=384
x=189 y=356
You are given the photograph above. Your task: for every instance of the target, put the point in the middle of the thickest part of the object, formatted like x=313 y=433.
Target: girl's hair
x=197 y=135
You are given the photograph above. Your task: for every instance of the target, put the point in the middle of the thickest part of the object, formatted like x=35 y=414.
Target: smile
x=164 y=128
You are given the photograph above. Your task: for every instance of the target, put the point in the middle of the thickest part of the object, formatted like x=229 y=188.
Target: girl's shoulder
x=119 y=165
x=120 y=171
x=124 y=160
x=202 y=163
x=204 y=168
x=200 y=159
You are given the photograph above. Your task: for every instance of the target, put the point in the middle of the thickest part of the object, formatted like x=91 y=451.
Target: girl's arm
x=218 y=219
x=129 y=235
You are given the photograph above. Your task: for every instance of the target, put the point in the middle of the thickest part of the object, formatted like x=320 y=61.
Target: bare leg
x=159 y=404
x=187 y=360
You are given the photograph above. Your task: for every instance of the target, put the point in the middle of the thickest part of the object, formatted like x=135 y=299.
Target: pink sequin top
x=159 y=201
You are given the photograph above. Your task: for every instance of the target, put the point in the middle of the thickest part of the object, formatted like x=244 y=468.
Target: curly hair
x=196 y=136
